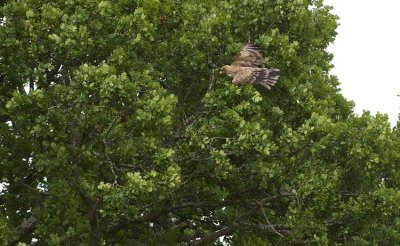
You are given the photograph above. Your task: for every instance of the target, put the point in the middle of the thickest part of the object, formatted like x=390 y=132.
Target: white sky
x=367 y=54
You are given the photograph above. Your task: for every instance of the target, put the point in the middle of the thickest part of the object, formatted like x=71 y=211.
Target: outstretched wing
x=249 y=57
x=262 y=76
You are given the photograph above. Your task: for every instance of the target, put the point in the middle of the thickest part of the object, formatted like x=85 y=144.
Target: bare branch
x=26 y=227
x=281 y=229
x=269 y=224
x=212 y=80
x=210 y=238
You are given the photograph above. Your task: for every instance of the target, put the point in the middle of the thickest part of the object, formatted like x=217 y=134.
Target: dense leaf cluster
x=117 y=129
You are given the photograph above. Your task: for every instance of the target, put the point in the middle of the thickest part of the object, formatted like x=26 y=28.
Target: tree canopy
x=116 y=128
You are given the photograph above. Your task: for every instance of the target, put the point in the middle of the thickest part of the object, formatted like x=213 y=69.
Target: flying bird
x=245 y=68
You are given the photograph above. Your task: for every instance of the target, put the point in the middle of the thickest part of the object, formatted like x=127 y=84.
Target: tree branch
x=210 y=238
x=21 y=89
x=276 y=228
x=76 y=139
x=23 y=230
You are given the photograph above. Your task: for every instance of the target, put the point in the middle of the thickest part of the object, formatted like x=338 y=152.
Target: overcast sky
x=367 y=54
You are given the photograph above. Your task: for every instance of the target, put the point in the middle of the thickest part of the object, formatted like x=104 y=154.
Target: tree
x=117 y=129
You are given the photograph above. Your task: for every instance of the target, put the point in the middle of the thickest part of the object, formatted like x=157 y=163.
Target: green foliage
x=116 y=129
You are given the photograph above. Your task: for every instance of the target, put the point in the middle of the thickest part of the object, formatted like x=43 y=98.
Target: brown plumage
x=244 y=69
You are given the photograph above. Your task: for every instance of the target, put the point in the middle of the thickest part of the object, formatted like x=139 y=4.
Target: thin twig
x=266 y=219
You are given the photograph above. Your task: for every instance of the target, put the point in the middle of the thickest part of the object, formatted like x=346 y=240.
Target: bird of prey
x=245 y=68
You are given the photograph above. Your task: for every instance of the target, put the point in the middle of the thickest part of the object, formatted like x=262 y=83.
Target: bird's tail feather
x=268 y=77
